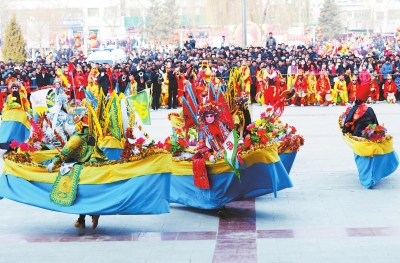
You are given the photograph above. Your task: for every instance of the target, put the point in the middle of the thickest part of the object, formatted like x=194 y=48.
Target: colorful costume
x=374 y=154
x=15 y=121
x=390 y=90
x=352 y=89
x=323 y=88
x=311 y=90
x=340 y=92
x=374 y=87
x=301 y=86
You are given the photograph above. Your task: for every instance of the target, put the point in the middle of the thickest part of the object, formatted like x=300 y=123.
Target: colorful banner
x=230 y=150
x=140 y=103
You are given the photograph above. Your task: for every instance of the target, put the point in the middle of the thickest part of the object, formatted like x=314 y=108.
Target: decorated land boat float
x=102 y=163
x=374 y=153
x=234 y=159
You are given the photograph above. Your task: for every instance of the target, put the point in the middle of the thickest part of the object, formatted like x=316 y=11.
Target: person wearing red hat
x=352 y=89
x=360 y=115
x=324 y=92
x=390 y=90
x=301 y=88
x=374 y=87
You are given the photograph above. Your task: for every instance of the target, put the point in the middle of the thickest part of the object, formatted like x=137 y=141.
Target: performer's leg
x=95 y=221
x=80 y=223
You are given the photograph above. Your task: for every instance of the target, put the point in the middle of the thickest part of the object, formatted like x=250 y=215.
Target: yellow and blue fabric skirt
x=264 y=174
x=132 y=188
x=374 y=159
x=14 y=126
x=112 y=147
x=287 y=159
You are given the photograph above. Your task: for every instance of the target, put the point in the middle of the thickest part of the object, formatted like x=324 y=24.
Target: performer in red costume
x=180 y=77
x=270 y=87
x=374 y=95
x=390 y=90
x=80 y=83
x=301 y=88
x=352 y=89
x=280 y=87
x=323 y=88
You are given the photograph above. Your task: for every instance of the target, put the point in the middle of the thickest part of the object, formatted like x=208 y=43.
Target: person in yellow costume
x=291 y=80
x=311 y=89
x=262 y=81
x=204 y=80
x=92 y=82
x=246 y=77
x=164 y=87
x=340 y=91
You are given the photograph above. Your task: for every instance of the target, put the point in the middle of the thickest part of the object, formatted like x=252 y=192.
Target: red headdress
x=363 y=92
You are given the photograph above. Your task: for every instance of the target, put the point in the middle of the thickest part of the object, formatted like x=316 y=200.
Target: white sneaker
x=322 y=105
x=377 y=102
x=330 y=105
x=302 y=105
x=291 y=105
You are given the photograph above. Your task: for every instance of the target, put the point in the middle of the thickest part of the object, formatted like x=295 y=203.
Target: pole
x=244 y=23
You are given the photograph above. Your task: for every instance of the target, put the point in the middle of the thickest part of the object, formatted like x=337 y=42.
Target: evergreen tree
x=330 y=20
x=14 y=44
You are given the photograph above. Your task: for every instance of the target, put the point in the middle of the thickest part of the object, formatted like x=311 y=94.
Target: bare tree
x=112 y=15
x=39 y=28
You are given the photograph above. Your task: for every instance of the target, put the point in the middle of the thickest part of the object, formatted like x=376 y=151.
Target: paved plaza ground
x=326 y=217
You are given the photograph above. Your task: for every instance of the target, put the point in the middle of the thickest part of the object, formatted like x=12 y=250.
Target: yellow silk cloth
x=42 y=156
x=155 y=164
x=267 y=155
x=40 y=110
x=369 y=148
x=111 y=142
x=18 y=116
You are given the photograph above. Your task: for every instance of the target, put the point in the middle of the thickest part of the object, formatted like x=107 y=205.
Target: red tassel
x=200 y=174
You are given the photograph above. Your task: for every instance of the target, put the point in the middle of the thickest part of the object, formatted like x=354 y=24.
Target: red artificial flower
x=261 y=132
x=294 y=130
x=31 y=149
x=250 y=126
x=24 y=147
x=247 y=141
x=14 y=144
x=182 y=143
x=167 y=146
x=160 y=144
x=140 y=140
x=272 y=120
x=264 y=139
x=263 y=115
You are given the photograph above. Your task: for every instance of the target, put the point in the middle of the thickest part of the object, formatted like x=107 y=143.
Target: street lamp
x=244 y=23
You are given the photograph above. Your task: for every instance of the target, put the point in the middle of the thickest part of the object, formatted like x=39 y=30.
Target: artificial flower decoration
x=374 y=132
x=269 y=129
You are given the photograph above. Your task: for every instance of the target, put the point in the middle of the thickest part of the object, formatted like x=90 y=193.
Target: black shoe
x=168 y=108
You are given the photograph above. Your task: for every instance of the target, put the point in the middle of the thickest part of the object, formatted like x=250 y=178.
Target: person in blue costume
x=15 y=117
x=360 y=116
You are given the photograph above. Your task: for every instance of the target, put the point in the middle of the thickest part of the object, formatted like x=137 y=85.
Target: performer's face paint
x=210 y=118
